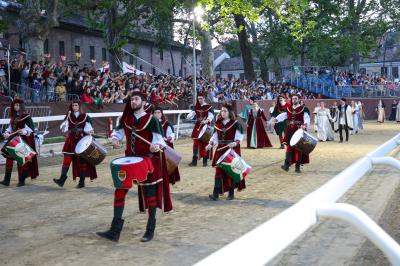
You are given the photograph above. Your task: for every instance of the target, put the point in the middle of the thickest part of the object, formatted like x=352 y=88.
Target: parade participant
x=343 y=119
x=20 y=124
x=280 y=127
x=257 y=137
x=297 y=118
x=169 y=136
x=355 y=110
x=315 y=112
x=324 y=128
x=144 y=138
x=380 y=109
x=393 y=111
x=204 y=116
x=77 y=125
x=228 y=134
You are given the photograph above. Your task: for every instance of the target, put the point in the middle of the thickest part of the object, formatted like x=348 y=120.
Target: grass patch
x=53 y=140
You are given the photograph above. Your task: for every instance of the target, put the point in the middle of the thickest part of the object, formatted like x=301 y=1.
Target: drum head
x=296 y=137
x=223 y=156
x=127 y=160
x=83 y=144
x=203 y=129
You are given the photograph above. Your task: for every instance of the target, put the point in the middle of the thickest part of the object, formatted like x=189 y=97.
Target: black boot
x=285 y=166
x=7 y=178
x=214 y=196
x=205 y=161
x=81 y=183
x=282 y=146
x=194 y=161
x=231 y=194
x=60 y=182
x=149 y=234
x=297 y=170
x=21 y=180
x=115 y=230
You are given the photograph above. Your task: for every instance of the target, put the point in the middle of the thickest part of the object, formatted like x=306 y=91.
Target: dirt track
x=41 y=224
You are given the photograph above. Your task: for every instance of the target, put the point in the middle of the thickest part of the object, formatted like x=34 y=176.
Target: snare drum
x=173 y=159
x=233 y=165
x=205 y=134
x=303 y=141
x=18 y=150
x=126 y=170
x=90 y=150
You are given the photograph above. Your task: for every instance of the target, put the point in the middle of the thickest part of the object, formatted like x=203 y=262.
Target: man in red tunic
x=21 y=123
x=204 y=116
x=136 y=124
x=77 y=125
x=297 y=117
x=228 y=134
x=280 y=128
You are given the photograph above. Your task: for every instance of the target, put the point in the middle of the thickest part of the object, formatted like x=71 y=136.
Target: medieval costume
x=315 y=115
x=204 y=116
x=297 y=117
x=324 y=128
x=20 y=120
x=280 y=127
x=355 y=110
x=169 y=136
x=343 y=120
x=227 y=131
x=393 y=111
x=380 y=109
x=76 y=125
x=154 y=191
x=398 y=113
x=361 y=115
x=257 y=137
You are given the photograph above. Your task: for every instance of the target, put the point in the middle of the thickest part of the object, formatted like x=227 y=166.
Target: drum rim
x=84 y=137
x=113 y=161
x=223 y=156
x=296 y=133
x=203 y=130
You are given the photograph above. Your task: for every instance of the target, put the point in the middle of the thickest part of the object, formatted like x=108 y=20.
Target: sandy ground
x=41 y=224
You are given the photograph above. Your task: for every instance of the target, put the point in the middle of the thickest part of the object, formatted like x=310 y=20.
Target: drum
x=18 y=150
x=173 y=159
x=126 y=170
x=90 y=150
x=303 y=141
x=233 y=165
x=205 y=134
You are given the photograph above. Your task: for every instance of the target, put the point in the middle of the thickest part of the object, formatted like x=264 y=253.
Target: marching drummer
x=228 y=135
x=20 y=124
x=297 y=117
x=204 y=116
x=144 y=138
x=77 y=124
x=169 y=137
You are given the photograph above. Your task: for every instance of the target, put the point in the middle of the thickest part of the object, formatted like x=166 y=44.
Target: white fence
x=262 y=244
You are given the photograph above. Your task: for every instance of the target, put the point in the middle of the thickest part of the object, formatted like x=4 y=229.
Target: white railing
x=262 y=244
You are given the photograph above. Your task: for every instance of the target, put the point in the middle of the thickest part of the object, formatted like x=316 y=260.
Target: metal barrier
x=262 y=244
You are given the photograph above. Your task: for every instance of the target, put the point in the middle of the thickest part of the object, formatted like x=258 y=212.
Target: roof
x=218 y=53
x=236 y=63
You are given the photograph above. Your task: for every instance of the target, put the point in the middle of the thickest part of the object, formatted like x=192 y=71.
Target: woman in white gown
x=381 y=111
x=315 y=113
x=355 y=110
x=324 y=127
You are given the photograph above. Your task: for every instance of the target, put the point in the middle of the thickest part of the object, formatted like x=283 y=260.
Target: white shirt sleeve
x=191 y=115
x=88 y=127
x=170 y=133
x=9 y=129
x=210 y=116
x=214 y=138
x=27 y=130
x=64 y=124
x=238 y=136
x=281 y=117
x=158 y=139
x=306 y=118
x=118 y=134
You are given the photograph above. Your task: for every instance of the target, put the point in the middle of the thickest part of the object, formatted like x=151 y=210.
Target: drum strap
x=133 y=139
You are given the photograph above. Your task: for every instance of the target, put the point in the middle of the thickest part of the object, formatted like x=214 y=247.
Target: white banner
x=130 y=69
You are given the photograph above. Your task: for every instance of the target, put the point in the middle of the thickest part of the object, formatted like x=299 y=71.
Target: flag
x=130 y=69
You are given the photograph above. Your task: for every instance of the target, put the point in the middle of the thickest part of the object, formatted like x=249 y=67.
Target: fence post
x=177 y=126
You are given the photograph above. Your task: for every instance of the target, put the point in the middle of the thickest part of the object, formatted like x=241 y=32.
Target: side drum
x=18 y=150
x=90 y=150
x=205 y=134
x=126 y=171
x=303 y=141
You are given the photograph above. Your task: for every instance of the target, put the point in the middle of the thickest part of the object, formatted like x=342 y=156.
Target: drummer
x=169 y=136
x=204 y=116
x=77 y=124
x=20 y=124
x=154 y=193
x=228 y=134
x=297 y=117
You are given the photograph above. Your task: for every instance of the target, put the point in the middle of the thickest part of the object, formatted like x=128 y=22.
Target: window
x=46 y=46
x=104 y=54
x=154 y=71
x=242 y=76
x=180 y=72
x=131 y=59
x=395 y=72
x=384 y=71
x=92 y=54
x=61 y=47
x=141 y=68
x=230 y=76
x=161 y=55
x=218 y=76
x=77 y=49
x=169 y=71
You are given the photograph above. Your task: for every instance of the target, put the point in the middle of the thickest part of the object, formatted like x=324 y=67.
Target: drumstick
x=145 y=140
x=226 y=146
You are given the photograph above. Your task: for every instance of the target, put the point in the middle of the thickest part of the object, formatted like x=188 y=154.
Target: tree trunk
x=303 y=54
x=112 y=38
x=245 y=48
x=172 y=60
x=259 y=53
x=355 y=55
x=34 y=47
x=207 y=56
